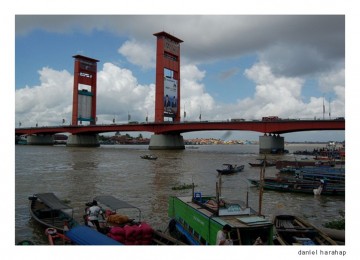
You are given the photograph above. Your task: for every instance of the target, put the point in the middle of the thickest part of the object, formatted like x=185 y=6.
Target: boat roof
x=113 y=202
x=249 y=218
x=52 y=201
x=83 y=235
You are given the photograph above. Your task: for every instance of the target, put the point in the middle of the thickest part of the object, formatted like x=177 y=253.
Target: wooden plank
x=158 y=242
x=238 y=233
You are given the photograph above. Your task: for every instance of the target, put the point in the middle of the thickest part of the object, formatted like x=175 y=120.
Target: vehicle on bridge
x=271 y=118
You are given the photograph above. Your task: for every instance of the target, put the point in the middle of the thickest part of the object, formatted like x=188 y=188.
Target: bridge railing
x=187 y=122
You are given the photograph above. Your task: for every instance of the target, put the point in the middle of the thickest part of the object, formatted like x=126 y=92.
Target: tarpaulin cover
x=113 y=202
x=83 y=235
x=52 y=201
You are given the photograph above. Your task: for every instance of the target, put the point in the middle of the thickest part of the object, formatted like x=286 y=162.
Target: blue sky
x=232 y=66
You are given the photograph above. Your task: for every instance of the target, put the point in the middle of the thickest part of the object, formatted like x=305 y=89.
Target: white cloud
x=48 y=103
x=140 y=54
x=119 y=93
x=193 y=94
x=281 y=96
x=332 y=80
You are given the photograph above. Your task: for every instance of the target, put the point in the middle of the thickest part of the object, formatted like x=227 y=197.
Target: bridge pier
x=81 y=140
x=268 y=144
x=40 y=139
x=166 y=142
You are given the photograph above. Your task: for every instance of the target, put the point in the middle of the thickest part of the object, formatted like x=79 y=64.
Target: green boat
x=197 y=219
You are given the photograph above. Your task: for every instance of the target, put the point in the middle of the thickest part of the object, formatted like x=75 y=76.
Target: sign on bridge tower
x=167 y=92
x=84 y=94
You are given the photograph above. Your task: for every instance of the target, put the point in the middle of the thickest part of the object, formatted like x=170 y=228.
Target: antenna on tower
x=323 y=108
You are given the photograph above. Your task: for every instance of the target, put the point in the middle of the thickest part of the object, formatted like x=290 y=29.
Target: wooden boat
x=149 y=157
x=196 y=219
x=293 y=230
x=51 y=212
x=302 y=163
x=124 y=224
x=330 y=174
x=230 y=168
x=300 y=186
x=261 y=164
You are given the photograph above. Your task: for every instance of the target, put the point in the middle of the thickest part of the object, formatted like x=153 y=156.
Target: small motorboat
x=149 y=157
x=230 y=168
x=262 y=163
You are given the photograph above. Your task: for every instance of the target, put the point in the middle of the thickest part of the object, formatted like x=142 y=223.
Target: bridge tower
x=167 y=97
x=84 y=99
x=167 y=90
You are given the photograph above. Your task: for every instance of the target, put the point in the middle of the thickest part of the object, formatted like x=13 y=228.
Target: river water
x=79 y=174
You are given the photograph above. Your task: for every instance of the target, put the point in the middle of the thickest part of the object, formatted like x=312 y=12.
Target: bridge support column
x=271 y=144
x=40 y=139
x=166 y=142
x=83 y=140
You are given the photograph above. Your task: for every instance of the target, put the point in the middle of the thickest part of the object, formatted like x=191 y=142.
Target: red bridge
x=273 y=127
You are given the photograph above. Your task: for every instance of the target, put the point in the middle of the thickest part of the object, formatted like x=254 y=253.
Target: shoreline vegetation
x=128 y=139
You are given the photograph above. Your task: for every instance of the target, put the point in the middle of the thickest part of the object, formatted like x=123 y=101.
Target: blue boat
x=83 y=235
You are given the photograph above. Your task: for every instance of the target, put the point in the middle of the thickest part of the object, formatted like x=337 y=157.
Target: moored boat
x=230 y=168
x=302 y=163
x=197 y=219
x=49 y=211
x=124 y=224
x=293 y=230
x=300 y=186
x=83 y=235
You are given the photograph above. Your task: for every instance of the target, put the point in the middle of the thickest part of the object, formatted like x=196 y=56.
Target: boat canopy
x=52 y=201
x=115 y=204
x=83 y=235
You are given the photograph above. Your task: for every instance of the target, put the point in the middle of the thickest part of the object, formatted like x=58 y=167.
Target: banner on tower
x=170 y=97
x=84 y=105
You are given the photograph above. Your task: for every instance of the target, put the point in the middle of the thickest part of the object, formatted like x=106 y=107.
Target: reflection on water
x=79 y=174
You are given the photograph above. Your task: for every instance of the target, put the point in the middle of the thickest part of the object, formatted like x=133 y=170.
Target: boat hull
x=49 y=217
x=200 y=224
x=293 y=230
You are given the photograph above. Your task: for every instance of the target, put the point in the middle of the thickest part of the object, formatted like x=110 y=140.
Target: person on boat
x=258 y=241
x=94 y=212
x=223 y=236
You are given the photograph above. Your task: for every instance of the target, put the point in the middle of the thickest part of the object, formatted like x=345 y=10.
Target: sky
x=232 y=66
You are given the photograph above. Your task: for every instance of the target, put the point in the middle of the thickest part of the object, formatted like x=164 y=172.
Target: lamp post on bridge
x=184 y=111
x=200 y=115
